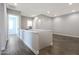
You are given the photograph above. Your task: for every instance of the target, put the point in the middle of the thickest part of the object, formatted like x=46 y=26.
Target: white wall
x=67 y=25
x=3 y=26
x=42 y=22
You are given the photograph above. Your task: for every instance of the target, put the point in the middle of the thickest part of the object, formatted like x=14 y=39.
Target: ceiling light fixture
x=55 y=15
x=73 y=10
x=70 y=3
x=48 y=12
x=15 y=4
x=36 y=18
x=39 y=20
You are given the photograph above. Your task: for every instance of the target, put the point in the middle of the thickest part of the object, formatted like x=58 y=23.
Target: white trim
x=70 y=35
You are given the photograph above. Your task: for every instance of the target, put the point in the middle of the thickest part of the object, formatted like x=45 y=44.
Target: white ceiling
x=50 y=9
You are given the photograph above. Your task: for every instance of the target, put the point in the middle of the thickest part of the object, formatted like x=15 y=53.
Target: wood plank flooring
x=16 y=46
x=63 y=45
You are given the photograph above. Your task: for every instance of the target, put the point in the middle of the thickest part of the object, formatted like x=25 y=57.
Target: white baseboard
x=63 y=34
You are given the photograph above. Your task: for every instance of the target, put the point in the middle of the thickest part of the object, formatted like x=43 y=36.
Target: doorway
x=13 y=25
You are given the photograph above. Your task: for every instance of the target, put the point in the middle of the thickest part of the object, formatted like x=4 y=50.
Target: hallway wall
x=3 y=26
x=67 y=25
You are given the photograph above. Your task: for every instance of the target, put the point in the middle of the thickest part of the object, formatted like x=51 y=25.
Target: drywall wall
x=42 y=22
x=3 y=26
x=67 y=25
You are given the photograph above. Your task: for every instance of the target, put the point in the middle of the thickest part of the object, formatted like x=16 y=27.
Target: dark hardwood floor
x=63 y=45
x=16 y=46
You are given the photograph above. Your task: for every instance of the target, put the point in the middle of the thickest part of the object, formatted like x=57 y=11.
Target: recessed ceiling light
x=39 y=20
x=70 y=3
x=15 y=4
x=55 y=15
x=48 y=12
x=36 y=18
x=73 y=10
